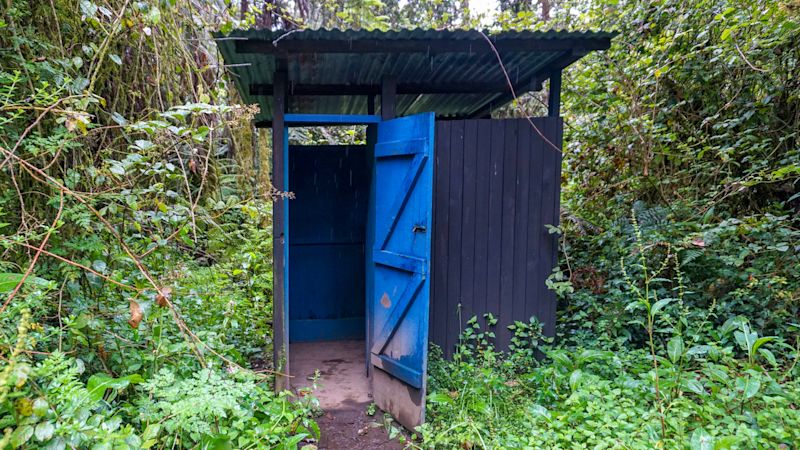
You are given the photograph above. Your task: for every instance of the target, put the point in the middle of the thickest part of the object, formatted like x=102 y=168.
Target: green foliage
x=695 y=102
x=215 y=410
x=729 y=392
x=120 y=159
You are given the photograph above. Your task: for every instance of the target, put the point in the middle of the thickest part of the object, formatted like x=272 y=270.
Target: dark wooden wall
x=496 y=186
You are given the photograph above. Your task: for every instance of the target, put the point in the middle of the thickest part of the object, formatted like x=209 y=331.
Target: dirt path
x=343 y=393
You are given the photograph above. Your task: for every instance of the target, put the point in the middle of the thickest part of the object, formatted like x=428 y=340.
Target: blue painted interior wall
x=327 y=233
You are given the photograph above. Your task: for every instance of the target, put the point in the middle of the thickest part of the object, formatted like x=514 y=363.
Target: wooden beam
x=478 y=45
x=545 y=72
x=554 y=96
x=388 y=98
x=402 y=89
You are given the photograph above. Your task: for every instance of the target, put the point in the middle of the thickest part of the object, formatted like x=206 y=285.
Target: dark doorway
x=327 y=236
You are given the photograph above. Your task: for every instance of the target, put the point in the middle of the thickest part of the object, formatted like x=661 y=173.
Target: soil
x=344 y=395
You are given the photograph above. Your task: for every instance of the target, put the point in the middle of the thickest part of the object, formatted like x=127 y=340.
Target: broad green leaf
x=745 y=338
x=40 y=407
x=701 y=440
x=769 y=356
x=575 y=379
x=749 y=386
x=8 y=281
x=44 y=431
x=440 y=397
x=675 y=348
x=695 y=386
x=21 y=435
x=539 y=411
x=761 y=341
x=659 y=305
x=100 y=382
x=726 y=443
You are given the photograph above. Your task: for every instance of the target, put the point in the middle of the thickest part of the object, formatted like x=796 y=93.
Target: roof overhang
x=455 y=73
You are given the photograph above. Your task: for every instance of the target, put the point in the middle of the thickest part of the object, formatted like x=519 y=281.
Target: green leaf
x=769 y=356
x=440 y=397
x=701 y=440
x=539 y=411
x=659 y=305
x=40 y=407
x=575 y=379
x=761 y=341
x=745 y=338
x=44 y=431
x=100 y=382
x=8 y=281
x=154 y=15
x=117 y=60
x=726 y=443
x=675 y=348
x=695 y=386
x=748 y=386
x=21 y=435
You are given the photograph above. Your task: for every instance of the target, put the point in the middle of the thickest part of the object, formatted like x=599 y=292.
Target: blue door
x=398 y=271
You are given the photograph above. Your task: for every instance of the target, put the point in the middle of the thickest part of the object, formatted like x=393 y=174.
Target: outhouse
x=441 y=215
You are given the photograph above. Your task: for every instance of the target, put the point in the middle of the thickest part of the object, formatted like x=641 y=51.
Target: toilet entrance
x=358 y=243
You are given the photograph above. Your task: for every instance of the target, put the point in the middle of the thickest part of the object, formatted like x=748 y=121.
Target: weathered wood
x=406 y=402
x=492 y=250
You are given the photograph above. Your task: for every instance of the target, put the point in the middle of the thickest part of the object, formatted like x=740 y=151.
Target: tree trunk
x=545 y=4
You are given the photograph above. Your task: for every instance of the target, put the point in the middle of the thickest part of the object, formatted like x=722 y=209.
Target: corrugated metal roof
x=532 y=55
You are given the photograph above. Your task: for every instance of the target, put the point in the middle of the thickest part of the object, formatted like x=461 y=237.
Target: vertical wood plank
x=454 y=227
x=533 y=287
x=468 y=236
x=441 y=179
x=482 y=181
x=507 y=238
x=521 y=219
x=495 y=208
x=548 y=218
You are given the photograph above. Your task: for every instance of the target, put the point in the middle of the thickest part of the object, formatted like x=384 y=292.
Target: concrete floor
x=343 y=392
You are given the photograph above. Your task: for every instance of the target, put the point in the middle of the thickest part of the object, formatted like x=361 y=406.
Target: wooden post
x=388 y=97
x=554 y=97
x=280 y=341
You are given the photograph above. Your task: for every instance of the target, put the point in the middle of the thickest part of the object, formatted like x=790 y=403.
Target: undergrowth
x=690 y=384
